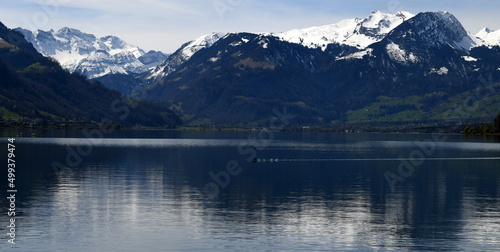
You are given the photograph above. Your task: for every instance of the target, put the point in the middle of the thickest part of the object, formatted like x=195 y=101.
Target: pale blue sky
x=166 y=24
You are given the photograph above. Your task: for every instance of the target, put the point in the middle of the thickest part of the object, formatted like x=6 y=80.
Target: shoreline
x=375 y=130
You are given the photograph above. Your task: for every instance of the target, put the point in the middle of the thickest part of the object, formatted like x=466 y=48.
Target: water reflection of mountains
x=350 y=199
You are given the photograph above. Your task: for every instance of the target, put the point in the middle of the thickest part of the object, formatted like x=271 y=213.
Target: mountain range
x=36 y=88
x=327 y=74
x=242 y=77
x=95 y=58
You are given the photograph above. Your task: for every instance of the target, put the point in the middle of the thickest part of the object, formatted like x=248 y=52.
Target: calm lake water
x=204 y=191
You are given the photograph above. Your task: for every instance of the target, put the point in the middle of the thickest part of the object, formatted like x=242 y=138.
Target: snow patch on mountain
x=469 y=58
x=355 y=32
x=357 y=55
x=440 y=71
x=399 y=55
x=200 y=43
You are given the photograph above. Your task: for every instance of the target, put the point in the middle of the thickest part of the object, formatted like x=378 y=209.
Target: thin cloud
x=119 y=6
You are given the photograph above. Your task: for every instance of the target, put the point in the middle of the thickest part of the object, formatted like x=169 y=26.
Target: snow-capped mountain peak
x=486 y=30
x=356 y=32
x=383 y=22
x=183 y=54
x=488 y=37
x=202 y=42
x=436 y=29
x=85 y=53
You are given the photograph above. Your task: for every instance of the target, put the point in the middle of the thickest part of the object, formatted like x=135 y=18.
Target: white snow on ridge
x=488 y=37
x=202 y=42
x=355 y=32
x=184 y=54
x=320 y=36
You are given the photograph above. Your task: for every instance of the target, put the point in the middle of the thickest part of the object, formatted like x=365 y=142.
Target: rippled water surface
x=223 y=191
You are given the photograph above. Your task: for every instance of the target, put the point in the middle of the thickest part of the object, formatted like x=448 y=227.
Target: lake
x=252 y=191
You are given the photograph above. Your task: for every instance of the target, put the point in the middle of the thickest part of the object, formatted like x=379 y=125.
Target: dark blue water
x=220 y=191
